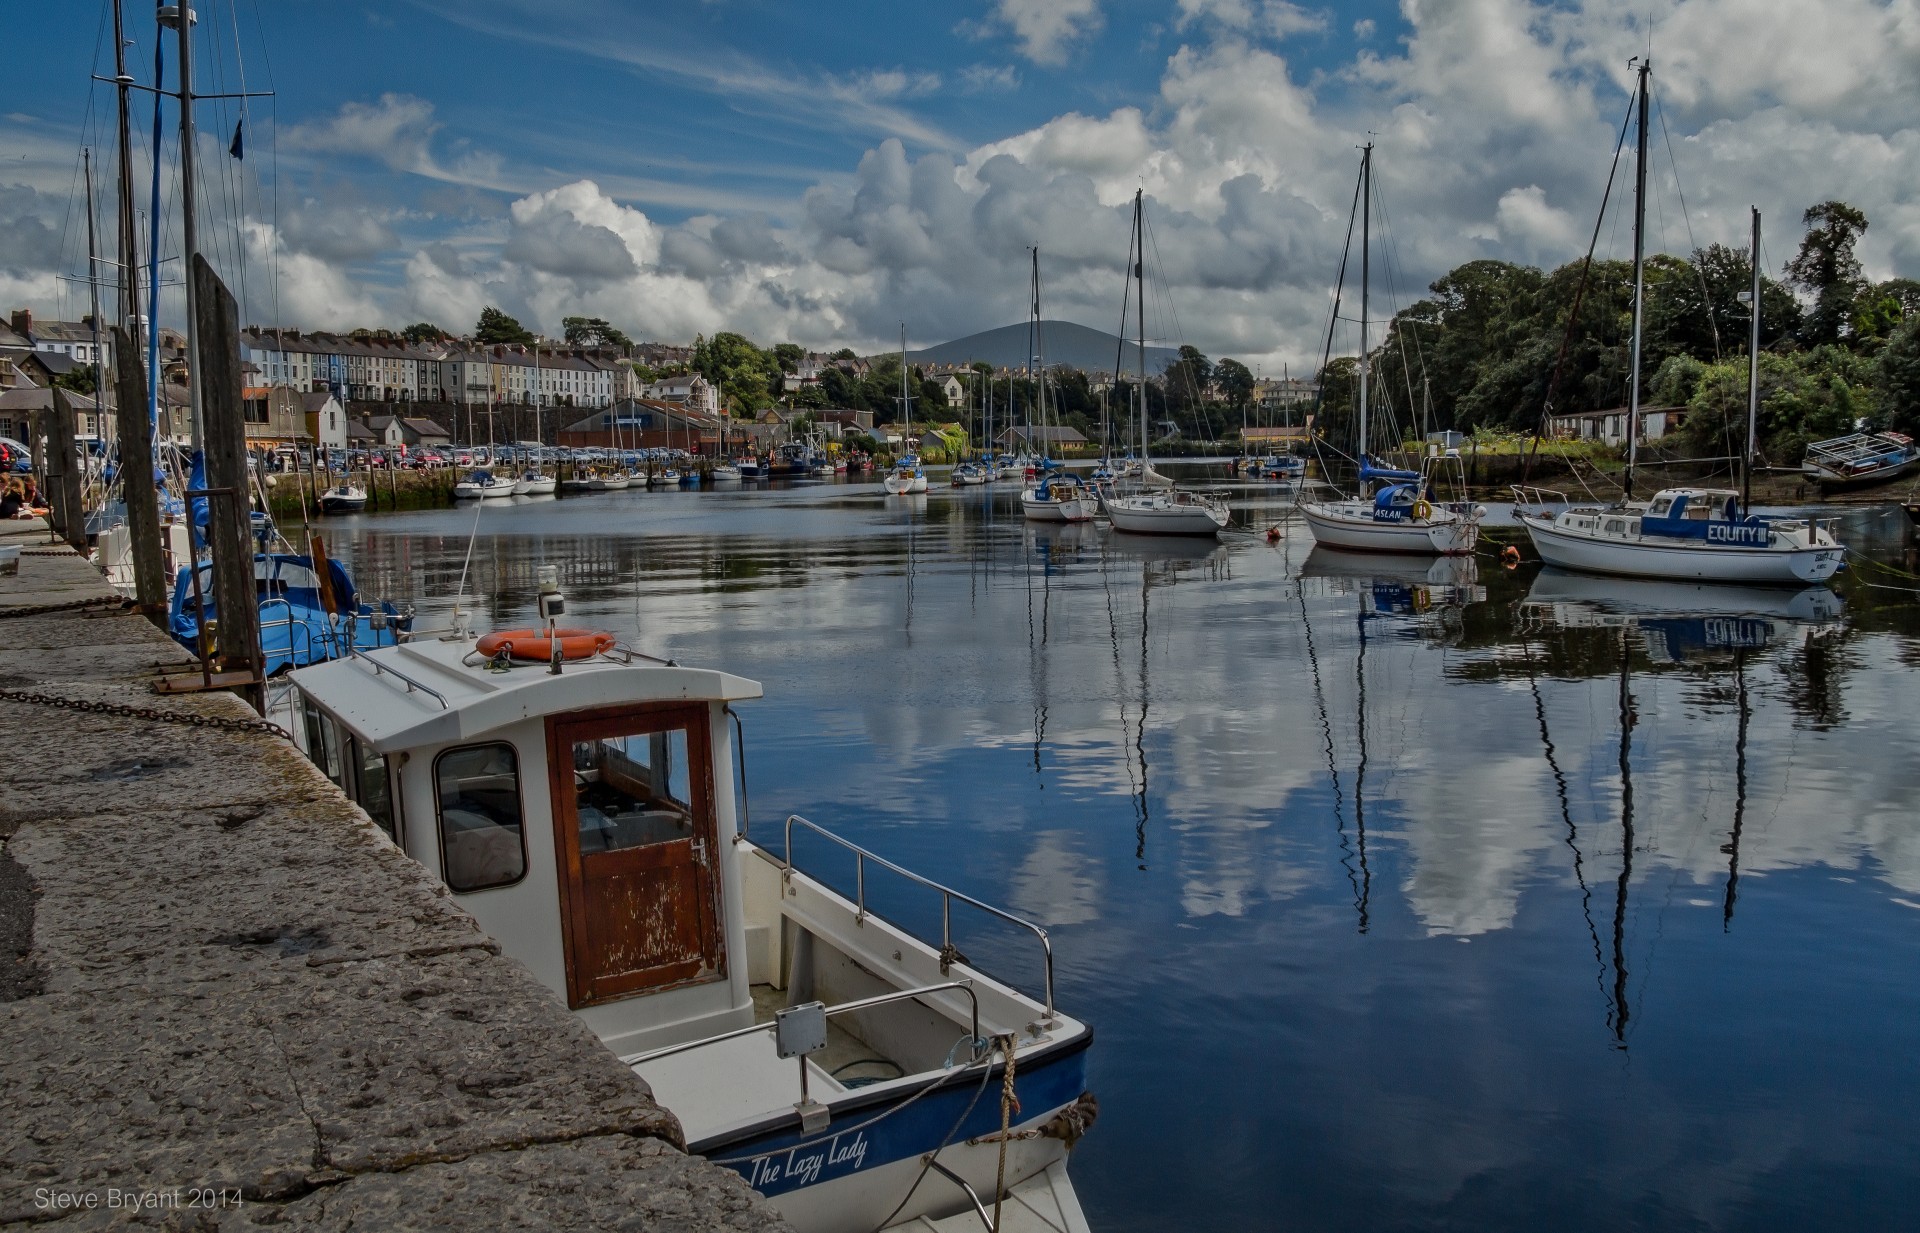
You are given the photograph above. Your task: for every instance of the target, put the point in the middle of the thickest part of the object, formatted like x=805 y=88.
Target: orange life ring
x=534 y=645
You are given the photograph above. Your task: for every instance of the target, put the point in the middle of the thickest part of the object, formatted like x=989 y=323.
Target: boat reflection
x=1680 y=622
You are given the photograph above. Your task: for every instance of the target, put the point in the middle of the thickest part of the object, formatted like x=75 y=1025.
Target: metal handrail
x=411 y=684
x=947 y=896
x=964 y=984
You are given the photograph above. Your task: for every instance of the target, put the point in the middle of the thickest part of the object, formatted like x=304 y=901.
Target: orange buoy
x=1273 y=534
x=1510 y=556
x=535 y=645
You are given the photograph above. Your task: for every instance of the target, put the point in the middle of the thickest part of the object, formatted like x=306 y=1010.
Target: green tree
x=1827 y=270
x=592 y=332
x=1188 y=376
x=1899 y=376
x=1236 y=383
x=79 y=379
x=814 y=396
x=424 y=332
x=788 y=356
x=497 y=327
x=746 y=375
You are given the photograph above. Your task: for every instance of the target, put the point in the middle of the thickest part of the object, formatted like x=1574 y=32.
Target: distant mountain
x=1062 y=342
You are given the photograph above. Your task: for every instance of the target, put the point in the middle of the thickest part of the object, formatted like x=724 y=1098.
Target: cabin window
x=1660 y=507
x=482 y=841
x=373 y=783
x=323 y=744
x=631 y=791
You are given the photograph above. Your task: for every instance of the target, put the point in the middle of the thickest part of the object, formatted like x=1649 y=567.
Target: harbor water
x=1401 y=894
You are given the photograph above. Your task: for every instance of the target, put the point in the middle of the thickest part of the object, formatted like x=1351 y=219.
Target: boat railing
x=948 y=954
x=964 y=985
x=404 y=679
x=1532 y=494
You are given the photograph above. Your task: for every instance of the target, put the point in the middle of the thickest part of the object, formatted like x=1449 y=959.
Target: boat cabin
x=578 y=816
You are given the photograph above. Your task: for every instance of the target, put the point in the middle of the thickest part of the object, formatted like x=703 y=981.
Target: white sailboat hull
x=1350 y=525
x=1652 y=557
x=608 y=483
x=1045 y=509
x=1165 y=515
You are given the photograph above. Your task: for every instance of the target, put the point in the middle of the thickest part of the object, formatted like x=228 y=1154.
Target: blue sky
x=822 y=172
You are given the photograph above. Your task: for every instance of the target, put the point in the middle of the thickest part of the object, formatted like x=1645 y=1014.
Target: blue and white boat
x=1861 y=458
x=848 y=1067
x=302 y=620
x=907 y=477
x=1692 y=534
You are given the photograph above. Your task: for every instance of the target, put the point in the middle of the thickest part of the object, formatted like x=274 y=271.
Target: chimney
x=23 y=322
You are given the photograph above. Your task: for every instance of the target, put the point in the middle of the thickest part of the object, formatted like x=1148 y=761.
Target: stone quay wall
x=227 y=1001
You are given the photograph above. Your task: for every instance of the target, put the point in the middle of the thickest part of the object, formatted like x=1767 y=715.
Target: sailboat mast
x=93 y=294
x=129 y=270
x=1639 y=281
x=181 y=18
x=1753 y=372
x=1140 y=312
x=1366 y=252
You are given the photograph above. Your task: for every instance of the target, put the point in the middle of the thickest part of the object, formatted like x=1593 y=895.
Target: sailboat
x=1704 y=534
x=1400 y=515
x=908 y=475
x=1055 y=495
x=1159 y=507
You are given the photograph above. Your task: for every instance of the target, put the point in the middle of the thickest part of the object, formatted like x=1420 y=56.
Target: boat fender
x=1422 y=510
x=1509 y=556
x=1273 y=534
x=534 y=646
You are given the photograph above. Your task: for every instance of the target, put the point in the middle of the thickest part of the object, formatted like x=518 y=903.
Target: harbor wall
x=228 y=1001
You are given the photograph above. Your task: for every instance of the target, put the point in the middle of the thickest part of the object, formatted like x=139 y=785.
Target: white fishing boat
x=967 y=475
x=1157 y=506
x=535 y=484
x=343 y=499
x=1687 y=533
x=1401 y=515
x=584 y=811
x=609 y=481
x=723 y=472
x=1861 y=458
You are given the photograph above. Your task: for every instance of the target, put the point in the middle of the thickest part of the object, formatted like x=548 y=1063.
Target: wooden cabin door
x=635 y=837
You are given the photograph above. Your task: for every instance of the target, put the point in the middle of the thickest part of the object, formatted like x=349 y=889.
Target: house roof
x=425 y=427
x=1037 y=432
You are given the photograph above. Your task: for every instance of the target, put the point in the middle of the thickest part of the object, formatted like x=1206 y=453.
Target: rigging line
x=1333 y=319
x=1579 y=294
x=1706 y=296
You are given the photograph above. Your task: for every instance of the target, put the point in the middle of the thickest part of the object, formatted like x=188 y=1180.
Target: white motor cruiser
x=580 y=801
x=1058 y=497
x=1683 y=533
x=534 y=483
x=907 y=477
x=482 y=484
x=343 y=498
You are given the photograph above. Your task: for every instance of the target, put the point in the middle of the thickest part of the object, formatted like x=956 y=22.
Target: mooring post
x=135 y=431
x=63 y=472
x=217 y=377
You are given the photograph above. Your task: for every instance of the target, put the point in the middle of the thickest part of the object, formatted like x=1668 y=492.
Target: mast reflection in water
x=1399 y=898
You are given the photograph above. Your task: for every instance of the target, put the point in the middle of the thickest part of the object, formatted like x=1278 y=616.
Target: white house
x=326 y=419
x=691 y=391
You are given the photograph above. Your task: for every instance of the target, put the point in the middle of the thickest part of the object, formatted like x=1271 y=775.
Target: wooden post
x=63 y=472
x=217 y=374
x=136 y=479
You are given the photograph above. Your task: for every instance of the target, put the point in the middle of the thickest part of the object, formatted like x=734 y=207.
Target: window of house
x=477 y=795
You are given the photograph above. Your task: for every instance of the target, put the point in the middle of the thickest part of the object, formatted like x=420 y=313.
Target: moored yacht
x=579 y=799
x=1684 y=533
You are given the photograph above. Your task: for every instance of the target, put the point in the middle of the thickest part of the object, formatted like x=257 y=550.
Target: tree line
x=1497 y=346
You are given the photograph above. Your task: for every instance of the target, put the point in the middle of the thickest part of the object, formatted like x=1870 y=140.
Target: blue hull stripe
x=799 y=1160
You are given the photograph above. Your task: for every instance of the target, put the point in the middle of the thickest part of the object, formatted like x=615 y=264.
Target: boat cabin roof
x=434 y=692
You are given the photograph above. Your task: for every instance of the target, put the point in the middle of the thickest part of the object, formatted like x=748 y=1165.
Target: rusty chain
x=36 y=698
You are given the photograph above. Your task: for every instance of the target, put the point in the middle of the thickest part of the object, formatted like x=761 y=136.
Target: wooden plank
x=64 y=472
x=224 y=438
x=135 y=431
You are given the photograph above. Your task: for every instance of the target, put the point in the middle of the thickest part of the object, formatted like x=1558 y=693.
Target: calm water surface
x=1400 y=897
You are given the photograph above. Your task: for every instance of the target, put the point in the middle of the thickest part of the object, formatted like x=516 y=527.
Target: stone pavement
x=219 y=982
